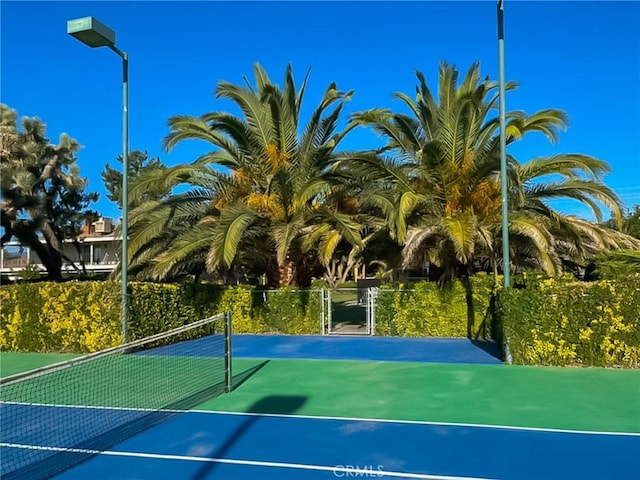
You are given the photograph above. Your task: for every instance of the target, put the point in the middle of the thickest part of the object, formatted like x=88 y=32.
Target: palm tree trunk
x=286 y=273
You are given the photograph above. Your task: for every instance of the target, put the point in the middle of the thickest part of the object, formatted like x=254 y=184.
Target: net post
x=227 y=352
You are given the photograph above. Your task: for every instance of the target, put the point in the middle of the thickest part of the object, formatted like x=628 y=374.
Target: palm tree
x=263 y=193
x=436 y=181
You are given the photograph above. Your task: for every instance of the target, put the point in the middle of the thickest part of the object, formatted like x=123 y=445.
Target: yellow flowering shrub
x=426 y=310
x=237 y=301
x=53 y=317
x=86 y=316
x=289 y=310
x=551 y=322
x=549 y=348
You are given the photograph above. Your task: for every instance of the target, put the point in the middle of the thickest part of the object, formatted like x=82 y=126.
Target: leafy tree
x=437 y=181
x=630 y=222
x=613 y=265
x=264 y=195
x=43 y=195
x=139 y=164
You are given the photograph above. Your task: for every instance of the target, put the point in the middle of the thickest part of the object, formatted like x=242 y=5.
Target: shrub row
x=284 y=311
x=86 y=316
x=572 y=323
x=539 y=321
x=155 y=308
x=424 y=309
x=59 y=317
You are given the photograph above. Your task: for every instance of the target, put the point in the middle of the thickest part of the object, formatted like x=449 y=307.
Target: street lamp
x=503 y=151
x=92 y=33
x=503 y=169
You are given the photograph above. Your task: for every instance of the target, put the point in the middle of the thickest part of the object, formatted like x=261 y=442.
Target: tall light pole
x=503 y=151
x=94 y=34
x=503 y=169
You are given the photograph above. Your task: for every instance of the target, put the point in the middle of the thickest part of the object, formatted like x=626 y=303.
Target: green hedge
x=543 y=321
x=612 y=265
x=59 y=317
x=553 y=322
x=155 y=308
x=425 y=309
x=285 y=311
x=86 y=316
x=290 y=311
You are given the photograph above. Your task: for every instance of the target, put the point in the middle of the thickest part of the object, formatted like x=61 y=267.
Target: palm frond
x=461 y=231
x=196 y=239
x=229 y=230
x=284 y=234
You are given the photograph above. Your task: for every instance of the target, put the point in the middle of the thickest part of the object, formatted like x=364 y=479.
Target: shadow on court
x=488 y=346
x=277 y=404
x=116 y=425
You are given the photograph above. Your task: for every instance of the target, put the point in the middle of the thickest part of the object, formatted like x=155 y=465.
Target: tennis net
x=48 y=416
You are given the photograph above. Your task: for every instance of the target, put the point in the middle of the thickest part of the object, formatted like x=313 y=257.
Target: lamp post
x=503 y=169
x=94 y=34
x=503 y=151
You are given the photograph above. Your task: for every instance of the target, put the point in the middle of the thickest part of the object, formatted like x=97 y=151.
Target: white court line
x=347 y=419
x=348 y=471
x=422 y=422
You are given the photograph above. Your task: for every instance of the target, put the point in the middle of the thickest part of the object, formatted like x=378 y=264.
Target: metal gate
x=350 y=311
x=372 y=298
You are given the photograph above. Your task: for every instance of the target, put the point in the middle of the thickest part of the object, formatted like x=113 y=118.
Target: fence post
x=329 y=319
x=368 y=310
x=507 y=351
x=372 y=295
x=322 y=310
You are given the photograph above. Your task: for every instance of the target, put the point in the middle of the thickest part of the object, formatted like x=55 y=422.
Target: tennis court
x=319 y=408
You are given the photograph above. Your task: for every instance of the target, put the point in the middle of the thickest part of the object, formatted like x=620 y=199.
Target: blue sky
x=582 y=57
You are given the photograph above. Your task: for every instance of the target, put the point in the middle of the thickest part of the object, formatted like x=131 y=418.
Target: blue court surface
x=432 y=350
x=396 y=349
x=206 y=445
x=209 y=445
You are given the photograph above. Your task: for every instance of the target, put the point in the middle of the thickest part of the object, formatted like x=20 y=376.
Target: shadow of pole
x=278 y=404
x=471 y=314
x=242 y=377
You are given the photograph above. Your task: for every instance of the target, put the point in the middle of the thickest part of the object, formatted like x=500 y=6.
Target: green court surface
x=545 y=397
x=12 y=363
x=120 y=381
x=591 y=399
